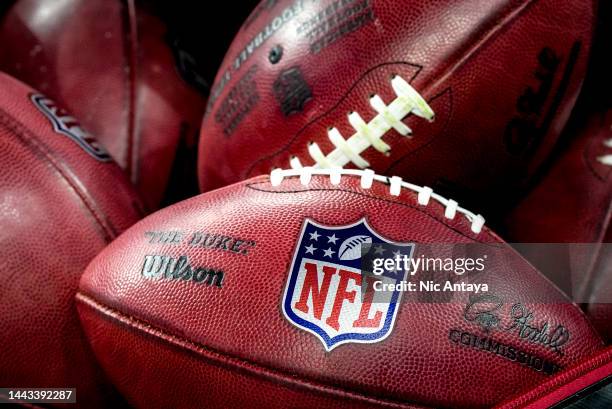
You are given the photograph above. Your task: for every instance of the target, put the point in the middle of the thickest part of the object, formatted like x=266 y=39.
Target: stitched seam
x=426 y=145
x=505 y=21
x=222 y=358
x=424 y=193
x=31 y=141
x=421 y=209
x=334 y=107
x=130 y=31
x=567 y=378
x=370 y=134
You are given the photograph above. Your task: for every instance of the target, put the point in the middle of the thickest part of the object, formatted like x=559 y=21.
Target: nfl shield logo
x=66 y=125
x=328 y=294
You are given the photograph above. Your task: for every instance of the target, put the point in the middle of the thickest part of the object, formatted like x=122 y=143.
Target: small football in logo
x=350 y=249
x=329 y=294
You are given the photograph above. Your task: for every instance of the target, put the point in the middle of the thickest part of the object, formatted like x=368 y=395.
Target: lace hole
x=275 y=54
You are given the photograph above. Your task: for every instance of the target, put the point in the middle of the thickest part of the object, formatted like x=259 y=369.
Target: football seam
x=40 y=149
x=129 y=79
x=233 y=362
x=420 y=209
x=566 y=378
x=303 y=129
x=364 y=135
x=397 y=162
x=455 y=63
x=481 y=39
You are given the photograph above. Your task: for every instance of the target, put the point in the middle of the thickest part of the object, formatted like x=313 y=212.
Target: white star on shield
x=379 y=249
x=310 y=249
x=328 y=253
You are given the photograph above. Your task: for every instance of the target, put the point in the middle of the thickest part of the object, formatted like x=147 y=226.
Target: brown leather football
x=573 y=204
x=62 y=199
x=112 y=63
x=465 y=96
x=248 y=296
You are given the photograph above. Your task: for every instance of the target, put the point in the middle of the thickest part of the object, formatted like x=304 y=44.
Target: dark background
x=204 y=29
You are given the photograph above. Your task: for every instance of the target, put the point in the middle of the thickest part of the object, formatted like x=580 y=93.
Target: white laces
x=425 y=194
x=606 y=159
x=408 y=101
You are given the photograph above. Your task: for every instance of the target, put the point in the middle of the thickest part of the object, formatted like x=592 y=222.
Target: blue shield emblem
x=328 y=294
x=65 y=124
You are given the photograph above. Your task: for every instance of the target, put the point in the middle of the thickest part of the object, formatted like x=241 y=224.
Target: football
x=62 y=200
x=350 y=249
x=246 y=297
x=573 y=204
x=114 y=65
x=467 y=97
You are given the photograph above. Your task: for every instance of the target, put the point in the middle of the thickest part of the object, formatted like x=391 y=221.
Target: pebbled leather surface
x=58 y=208
x=573 y=204
x=484 y=66
x=174 y=343
x=109 y=62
